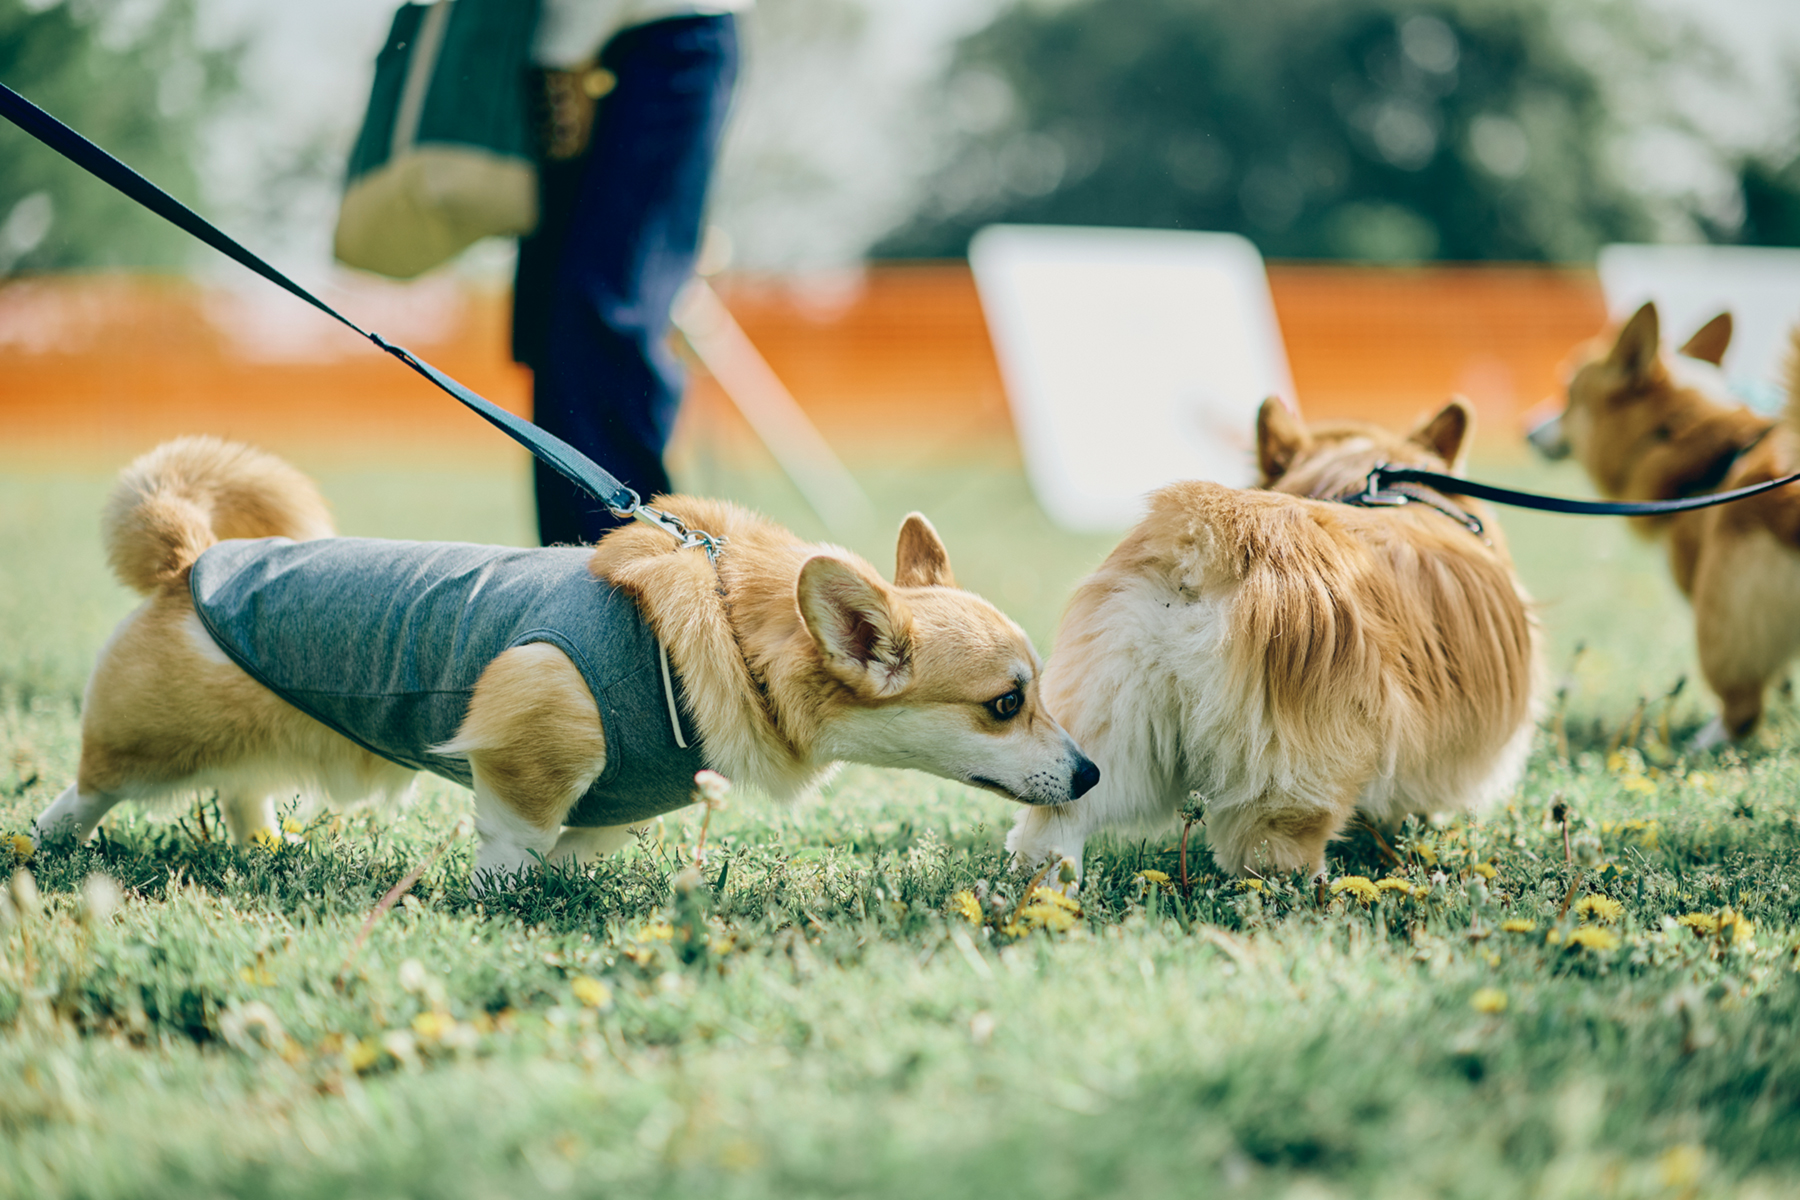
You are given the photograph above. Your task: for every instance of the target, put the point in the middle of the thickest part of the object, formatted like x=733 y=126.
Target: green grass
x=816 y=1018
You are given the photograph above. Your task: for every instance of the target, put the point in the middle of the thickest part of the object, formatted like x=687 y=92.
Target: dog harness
x=383 y=641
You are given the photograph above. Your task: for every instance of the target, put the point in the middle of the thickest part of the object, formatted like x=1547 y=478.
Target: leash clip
x=674 y=526
x=1377 y=493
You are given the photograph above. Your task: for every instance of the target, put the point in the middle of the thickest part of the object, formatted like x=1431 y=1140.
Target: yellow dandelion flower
x=268 y=839
x=1358 y=886
x=1638 y=784
x=1602 y=908
x=1518 y=925
x=1251 y=885
x=1703 y=924
x=1395 y=885
x=1053 y=897
x=22 y=847
x=656 y=931
x=433 y=1026
x=289 y=825
x=1047 y=916
x=1426 y=854
x=1741 y=928
x=965 y=905
x=1680 y=1166
x=1156 y=877
x=591 y=992
x=363 y=1054
x=1592 y=937
x=1488 y=1000
x=1485 y=870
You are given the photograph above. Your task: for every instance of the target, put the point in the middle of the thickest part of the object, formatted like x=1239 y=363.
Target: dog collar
x=1720 y=470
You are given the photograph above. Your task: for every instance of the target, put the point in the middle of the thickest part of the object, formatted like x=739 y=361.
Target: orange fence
x=896 y=357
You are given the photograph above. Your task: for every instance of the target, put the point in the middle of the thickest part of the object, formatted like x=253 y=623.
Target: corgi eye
x=1007 y=707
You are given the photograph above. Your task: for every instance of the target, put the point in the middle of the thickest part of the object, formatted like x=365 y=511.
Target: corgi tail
x=172 y=503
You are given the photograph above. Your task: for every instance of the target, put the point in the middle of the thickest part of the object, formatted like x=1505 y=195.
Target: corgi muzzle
x=1548 y=439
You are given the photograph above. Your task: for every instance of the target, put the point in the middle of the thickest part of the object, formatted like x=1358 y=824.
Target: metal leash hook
x=1374 y=494
x=1378 y=493
x=674 y=526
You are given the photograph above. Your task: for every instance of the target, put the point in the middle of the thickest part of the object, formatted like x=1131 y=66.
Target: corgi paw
x=1710 y=737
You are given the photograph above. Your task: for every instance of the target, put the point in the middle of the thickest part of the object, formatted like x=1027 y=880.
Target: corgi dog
x=1646 y=425
x=576 y=689
x=1287 y=659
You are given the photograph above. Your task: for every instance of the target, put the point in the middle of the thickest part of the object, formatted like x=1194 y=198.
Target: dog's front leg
x=584 y=847
x=535 y=744
x=248 y=816
x=1048 y=834
x=510 y=842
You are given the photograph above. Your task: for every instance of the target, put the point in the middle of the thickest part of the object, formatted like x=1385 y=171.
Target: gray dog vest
x=383 y=642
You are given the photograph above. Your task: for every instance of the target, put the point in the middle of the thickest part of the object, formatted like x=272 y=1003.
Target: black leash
x=1381 y=490
x=567 y=461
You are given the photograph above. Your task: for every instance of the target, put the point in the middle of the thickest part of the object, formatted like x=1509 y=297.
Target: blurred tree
x=1771 y=191
x=128 y=74
x=1388 y=130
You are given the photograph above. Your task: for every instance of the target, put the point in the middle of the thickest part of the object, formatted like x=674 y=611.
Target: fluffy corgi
x=1290 y=659
x=575 y=689
x=1651 y=426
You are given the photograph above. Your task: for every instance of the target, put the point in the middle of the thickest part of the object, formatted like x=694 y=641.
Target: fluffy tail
x=180 y=498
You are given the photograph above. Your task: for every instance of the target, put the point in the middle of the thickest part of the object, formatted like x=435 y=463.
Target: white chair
x=1132 y=358
x=1692 y=284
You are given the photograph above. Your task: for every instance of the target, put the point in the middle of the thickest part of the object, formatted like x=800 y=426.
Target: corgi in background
x=1290 y=658
x=1647 y=425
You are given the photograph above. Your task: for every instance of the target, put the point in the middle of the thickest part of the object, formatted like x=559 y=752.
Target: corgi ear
x=862 y=629
x=1446 y=433
x=921 y=560
x=1639 y=342
x=1280 y=437
x=1711 y=340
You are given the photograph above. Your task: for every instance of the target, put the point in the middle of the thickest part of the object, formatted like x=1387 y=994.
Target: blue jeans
x=616 y=240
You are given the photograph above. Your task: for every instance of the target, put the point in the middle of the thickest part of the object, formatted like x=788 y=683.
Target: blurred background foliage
x=1371 y=130
x=132 y=76
x=1378 y=130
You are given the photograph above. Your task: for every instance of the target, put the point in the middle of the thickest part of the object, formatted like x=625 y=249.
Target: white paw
x=1710 y=737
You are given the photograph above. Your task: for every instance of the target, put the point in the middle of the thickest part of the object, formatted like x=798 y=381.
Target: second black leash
x=1384 y=476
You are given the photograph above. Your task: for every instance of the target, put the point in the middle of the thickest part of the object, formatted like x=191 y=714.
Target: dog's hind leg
x=75 y=814
x=1743 y=613
x=1270 y=835
x=246 y=816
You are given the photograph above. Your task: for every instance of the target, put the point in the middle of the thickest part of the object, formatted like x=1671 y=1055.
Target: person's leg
x=608 y=383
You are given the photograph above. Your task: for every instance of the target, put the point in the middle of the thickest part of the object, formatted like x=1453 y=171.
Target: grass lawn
x=855 y=1001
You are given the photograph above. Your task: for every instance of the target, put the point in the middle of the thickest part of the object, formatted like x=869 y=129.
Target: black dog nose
x=1085 y=777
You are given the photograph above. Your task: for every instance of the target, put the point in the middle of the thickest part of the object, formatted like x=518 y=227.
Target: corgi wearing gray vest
x=575 y=690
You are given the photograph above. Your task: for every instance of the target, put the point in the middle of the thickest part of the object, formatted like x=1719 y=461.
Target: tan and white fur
x=1291 y=660
x=794 y=657
x=1652 y=426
